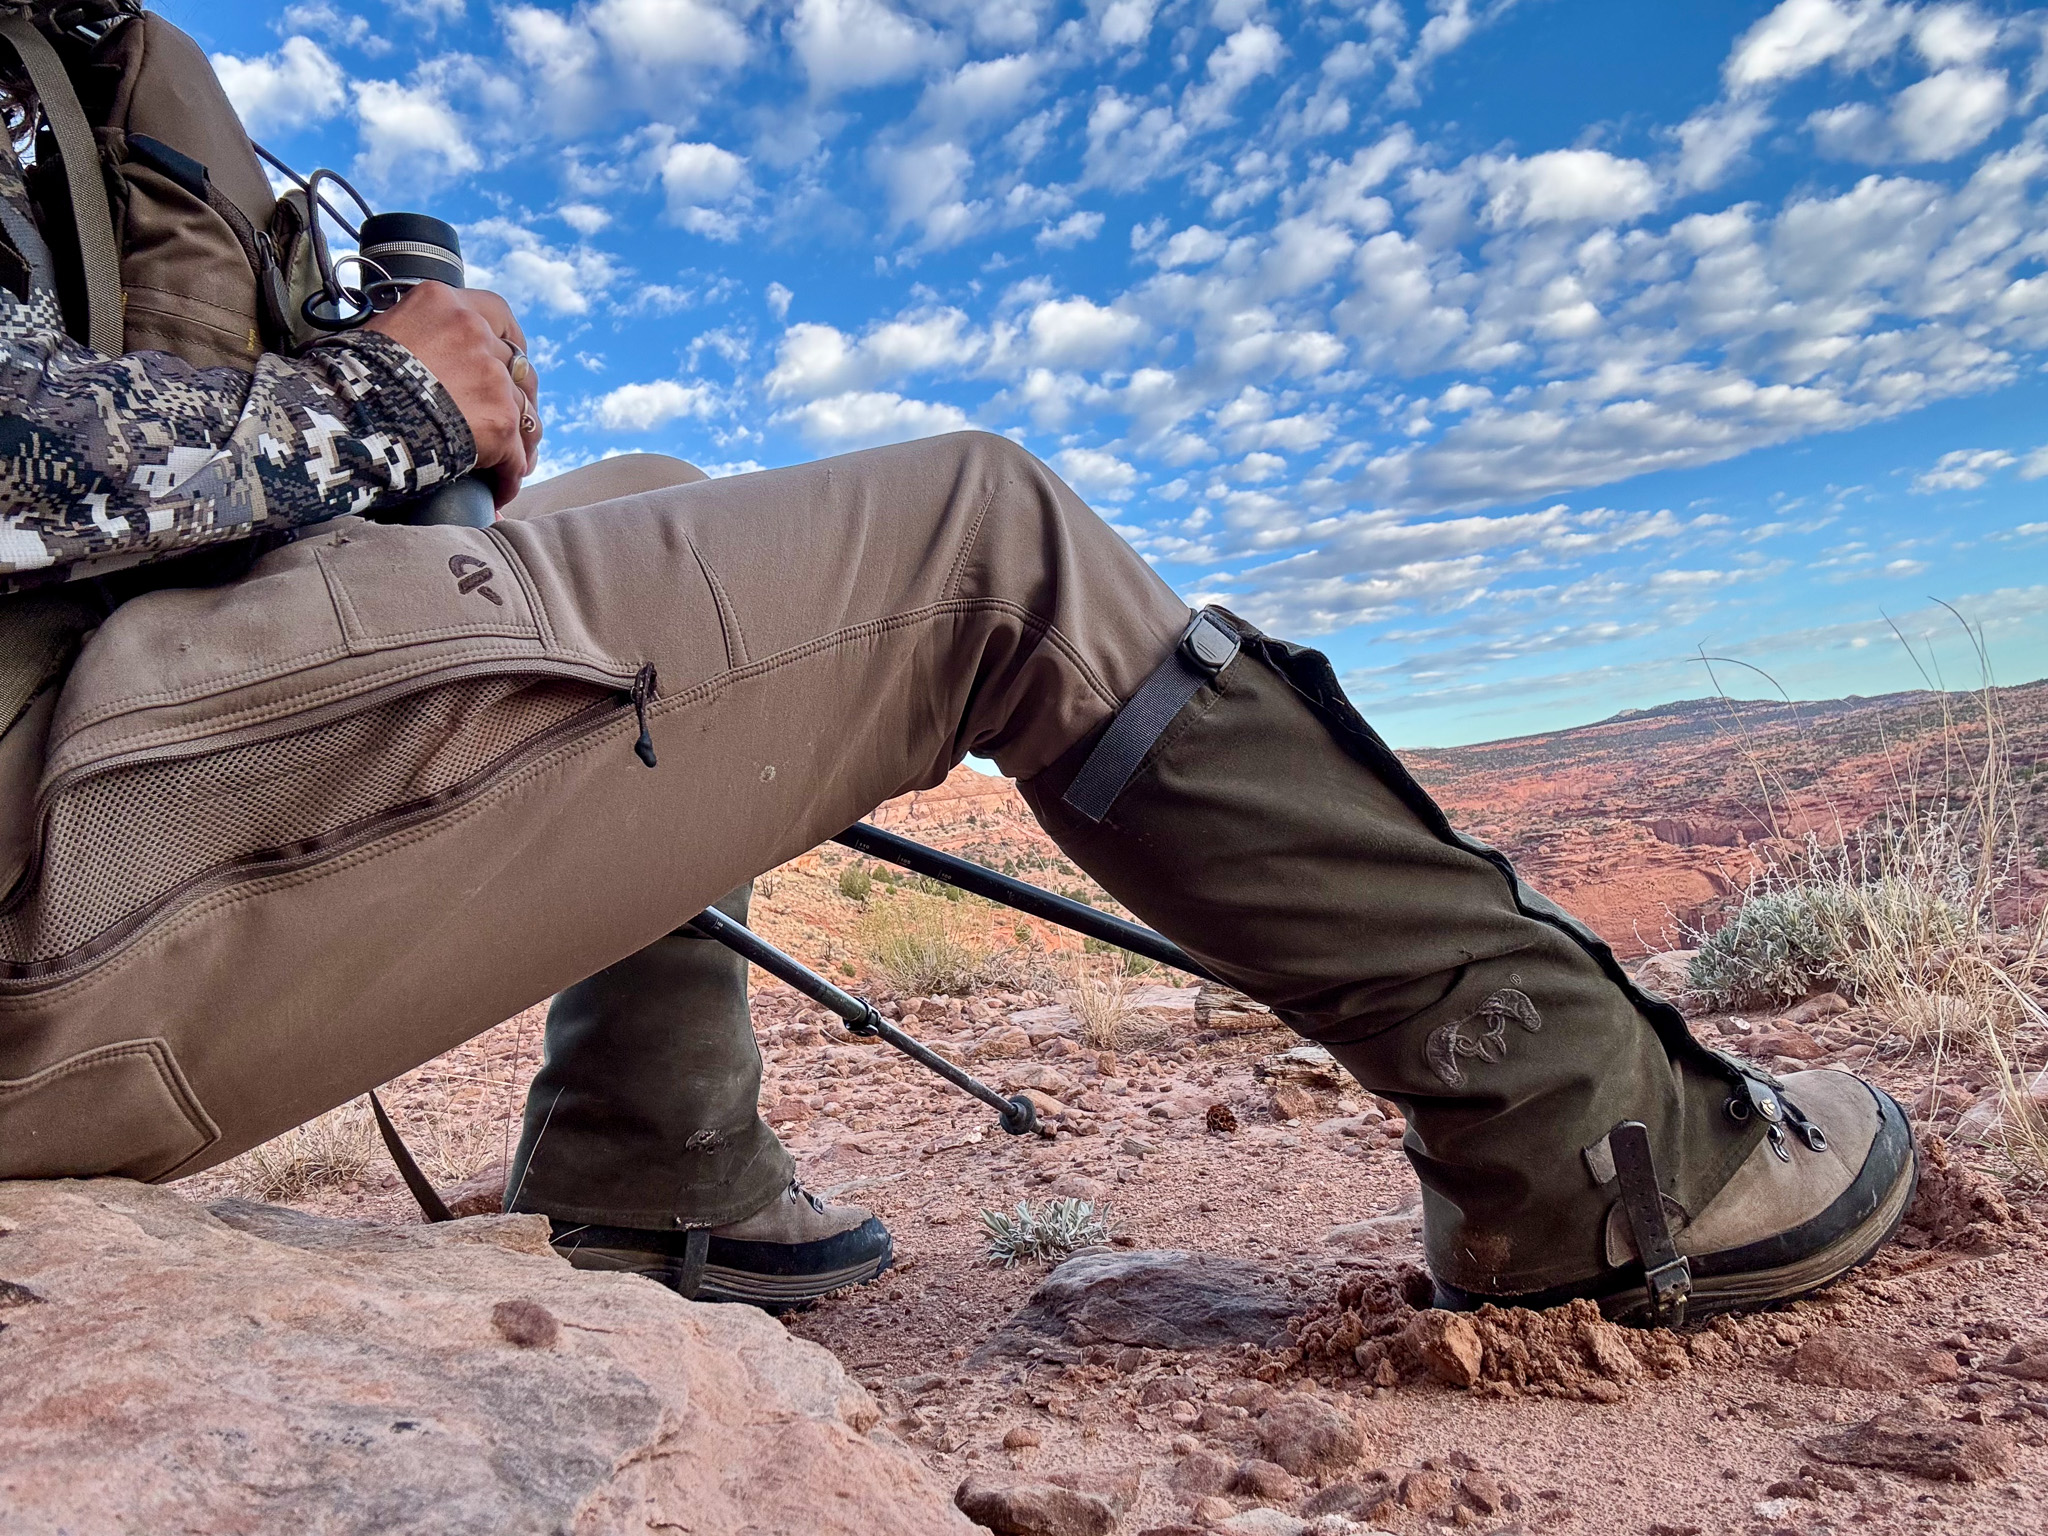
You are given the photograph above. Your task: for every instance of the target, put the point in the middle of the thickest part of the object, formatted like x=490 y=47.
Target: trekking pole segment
x=864 y=837
x=1018 y=1116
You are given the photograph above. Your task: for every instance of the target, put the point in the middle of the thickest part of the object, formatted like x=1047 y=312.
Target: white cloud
x=1450 y=26
x=410 y=135
x=1940 y=117
x=1253 y=50
x=1713 y=142
x=1078 y=333
x=431 y=12
x=1954 y=34
x=702 y=183
x=1095 y=473
x=1567 y=186
x=1191 y=247
x=1123 y=23
x=1963 y=470
x=814 y=360
x=584 y=218
x=982 y=90
x=297 y=85
x=847 y=45
x=1933 y=119
x=1801 y=35
x=778 y=300
x=1130 y=143
x=659 y=38
x=527 y=271
x=868 y=418
x=1075 y=229
x=2035 y=465
x=643 y=407
x=927 y=186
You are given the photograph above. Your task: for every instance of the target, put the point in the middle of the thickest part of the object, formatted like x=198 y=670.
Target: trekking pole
x=977 y=880
x=1019 y=1118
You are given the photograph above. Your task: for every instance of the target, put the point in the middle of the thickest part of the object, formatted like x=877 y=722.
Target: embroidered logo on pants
x=1483 y=1034
x=472 y=575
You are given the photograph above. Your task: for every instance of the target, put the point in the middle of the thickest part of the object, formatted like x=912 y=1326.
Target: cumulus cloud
x=1567 y=186
x=529 y=272
x=1079 y=333
x=849 y=45
x=275 y=93
x=869 y=418
x=1801 y=35
x=703 y=183
x=1933 y=119
x=410 y=135
x=1712 y=143
x=1252 y=51
x=1095 y=473
x=814 y=360
x=643 y=407
x=1075 y=229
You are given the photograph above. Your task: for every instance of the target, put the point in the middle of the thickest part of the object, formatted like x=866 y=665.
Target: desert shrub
x=1051 y=1231
x=923 y=944
x=855 y=882
x=1779 y=946
x=1100 y=997
x=331 y=1150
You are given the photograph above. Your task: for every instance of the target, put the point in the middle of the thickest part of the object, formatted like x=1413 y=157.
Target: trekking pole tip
x=1021 y=1118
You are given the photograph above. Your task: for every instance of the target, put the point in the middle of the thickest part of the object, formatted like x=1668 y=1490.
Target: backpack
x=163 y=225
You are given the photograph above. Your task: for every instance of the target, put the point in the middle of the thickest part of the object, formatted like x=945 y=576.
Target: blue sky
x=1515 y=353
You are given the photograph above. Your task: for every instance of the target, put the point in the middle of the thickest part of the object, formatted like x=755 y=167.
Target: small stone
x=483 y=1195
x=1306 y=1435
x=1487 y=1493
x=1448 y=1344
x=1292 y=1102
x=1919 y=1446
x=1265 y=1481
x=1138 y=1146
x=1006 y=1041
x=527 y=1324
x=1424 y=1491
x=1202 y=1472
x=1263 y=1522
x=1848 y=1357
x=1340 y=1499
x=1212 y=1510
x=1022 y=1438
x=1027 y=1507
x=1184 y=1413
x=1221 y=1118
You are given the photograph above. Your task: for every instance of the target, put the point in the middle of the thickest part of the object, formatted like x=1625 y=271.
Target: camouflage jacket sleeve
x=104 y=461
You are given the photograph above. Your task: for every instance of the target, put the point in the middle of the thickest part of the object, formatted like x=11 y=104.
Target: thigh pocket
x=119 y=1109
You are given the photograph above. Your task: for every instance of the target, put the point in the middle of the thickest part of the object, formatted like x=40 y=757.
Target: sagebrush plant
x=330 y=1150
x=855 y=883
x=925 y=945
x=1903 y=914
x=1051 y=1231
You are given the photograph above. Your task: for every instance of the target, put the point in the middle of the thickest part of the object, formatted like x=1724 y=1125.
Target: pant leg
x=303 y=831
x=645 y=1111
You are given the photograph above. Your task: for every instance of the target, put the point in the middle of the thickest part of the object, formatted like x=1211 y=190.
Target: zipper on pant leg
x=641 y=694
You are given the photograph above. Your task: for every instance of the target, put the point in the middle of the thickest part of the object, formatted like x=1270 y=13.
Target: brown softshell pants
x=296 y=834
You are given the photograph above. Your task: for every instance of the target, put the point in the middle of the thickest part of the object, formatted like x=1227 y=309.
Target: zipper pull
x=643 y=691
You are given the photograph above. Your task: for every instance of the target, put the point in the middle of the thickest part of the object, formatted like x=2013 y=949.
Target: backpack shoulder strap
x=98 y=249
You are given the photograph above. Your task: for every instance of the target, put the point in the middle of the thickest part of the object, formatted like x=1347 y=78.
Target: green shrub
x=923 y=944
x=855 y=882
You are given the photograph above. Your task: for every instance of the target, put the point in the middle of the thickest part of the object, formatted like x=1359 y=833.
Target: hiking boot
x=1561 y=1121
x=785 y=1255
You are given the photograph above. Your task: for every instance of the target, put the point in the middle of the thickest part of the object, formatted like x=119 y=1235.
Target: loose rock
x=1265 y=1481
x=1027 y=1507
x=1921 y=1447
x=1845 y=1357
x=1152 y=1298
x=1307 y=1435
x=525 y=1323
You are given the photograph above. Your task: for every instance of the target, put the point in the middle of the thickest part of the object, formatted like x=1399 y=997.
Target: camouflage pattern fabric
x=109 y=461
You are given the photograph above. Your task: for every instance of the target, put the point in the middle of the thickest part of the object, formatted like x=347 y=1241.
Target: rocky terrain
x=1245 y=1352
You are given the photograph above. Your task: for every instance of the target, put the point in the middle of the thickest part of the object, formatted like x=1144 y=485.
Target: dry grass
x=924 y=945
x=1903 y=915
x=1098 y=989
x=337 y=1148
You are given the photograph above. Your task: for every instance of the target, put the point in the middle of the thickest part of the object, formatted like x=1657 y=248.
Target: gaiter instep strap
x=1206 y=647
x=1667 y=1274
x=696 y=1249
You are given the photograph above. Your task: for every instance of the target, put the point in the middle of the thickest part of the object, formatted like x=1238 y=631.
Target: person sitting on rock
x=285 y=818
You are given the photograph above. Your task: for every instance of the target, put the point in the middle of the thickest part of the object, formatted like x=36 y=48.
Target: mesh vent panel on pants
x=118 y=842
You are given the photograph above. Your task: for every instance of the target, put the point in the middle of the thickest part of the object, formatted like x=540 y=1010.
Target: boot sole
x=1766 y=1273
x=725 y=1283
